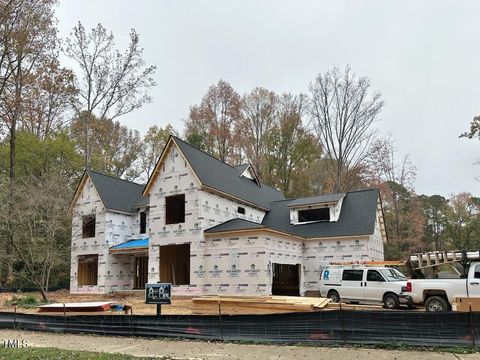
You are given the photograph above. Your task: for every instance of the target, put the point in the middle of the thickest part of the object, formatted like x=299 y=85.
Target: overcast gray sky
x=423 y=56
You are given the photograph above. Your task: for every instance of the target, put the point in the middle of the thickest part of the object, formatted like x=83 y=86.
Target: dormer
x=324 y=208
x=246 y=170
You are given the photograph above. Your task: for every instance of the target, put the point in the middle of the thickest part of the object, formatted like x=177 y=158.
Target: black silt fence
x=315 y=328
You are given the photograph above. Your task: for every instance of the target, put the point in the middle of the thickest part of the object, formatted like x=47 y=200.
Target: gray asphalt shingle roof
x=235 y=224
x=118 y=194
x=357 y=217
x=225 y=178
x=321 y=199
x=241 y=168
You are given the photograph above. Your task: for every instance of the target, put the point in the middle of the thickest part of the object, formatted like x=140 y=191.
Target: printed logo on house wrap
x=215 y=272
x=233 y=271
x=200 y=272
x=252 y=271
x=179 y=231
x=164 y=232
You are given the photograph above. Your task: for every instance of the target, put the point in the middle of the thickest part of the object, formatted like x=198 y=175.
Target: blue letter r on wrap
x=325 y=274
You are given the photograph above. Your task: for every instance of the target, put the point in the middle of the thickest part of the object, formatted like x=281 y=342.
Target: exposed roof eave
x=120 y=211
x=212 y=189
x=317 y=203
x=129 y=250
x=266 y=229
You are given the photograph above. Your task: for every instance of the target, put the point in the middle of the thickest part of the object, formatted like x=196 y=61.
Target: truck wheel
x=390 y=301
x=334 y=296
x=436 y=303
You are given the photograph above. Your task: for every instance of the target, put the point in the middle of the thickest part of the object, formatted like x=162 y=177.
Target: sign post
x=159 y=294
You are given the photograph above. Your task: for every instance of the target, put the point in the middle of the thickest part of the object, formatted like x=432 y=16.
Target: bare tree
x=10 y=16
x=110 y=83
x=38 y=228
x=47 y=99
x=395 y=178
x=259 y=116
x=114 y=148
x=342 y=112
x=473 y=133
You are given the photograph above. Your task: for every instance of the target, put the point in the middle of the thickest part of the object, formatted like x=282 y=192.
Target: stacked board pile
x=244 y=305
x=77 y=307
x=466 y=304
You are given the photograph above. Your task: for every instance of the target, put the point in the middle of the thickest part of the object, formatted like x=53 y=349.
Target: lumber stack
x=77 y=307
x=255 y=305
x=466 y=304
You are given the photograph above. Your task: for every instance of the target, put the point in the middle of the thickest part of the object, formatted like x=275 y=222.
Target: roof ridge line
x=196 y=148
x=220 y=161
x=360 y=190
x=332 y=193
x=116 y=178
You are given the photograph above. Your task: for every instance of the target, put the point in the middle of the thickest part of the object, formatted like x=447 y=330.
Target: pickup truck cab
x=364 y=284
x=438 y=294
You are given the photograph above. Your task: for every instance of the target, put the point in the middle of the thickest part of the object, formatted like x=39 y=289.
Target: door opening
x=141 y=272
x=175 y=264
x=286 y=279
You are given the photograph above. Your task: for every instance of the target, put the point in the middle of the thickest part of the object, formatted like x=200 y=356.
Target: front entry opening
x=286 y=279
x=175 y=264
x=141 y=272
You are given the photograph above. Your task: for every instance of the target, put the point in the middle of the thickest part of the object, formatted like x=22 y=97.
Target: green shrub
x=26 y=301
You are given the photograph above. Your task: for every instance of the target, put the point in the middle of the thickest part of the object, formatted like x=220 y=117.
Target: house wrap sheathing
x=209 y=228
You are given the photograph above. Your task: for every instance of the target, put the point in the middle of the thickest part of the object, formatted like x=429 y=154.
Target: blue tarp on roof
x=134 y=243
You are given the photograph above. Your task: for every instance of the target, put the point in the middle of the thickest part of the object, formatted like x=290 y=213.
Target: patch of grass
x=26 y=301
x=32 y=353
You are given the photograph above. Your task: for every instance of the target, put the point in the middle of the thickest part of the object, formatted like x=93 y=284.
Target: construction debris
x=77 y=307
x=255 y=305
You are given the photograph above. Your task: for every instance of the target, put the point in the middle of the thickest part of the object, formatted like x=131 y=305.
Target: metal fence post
x=64 y=319
x=14 y=316
x=343 y=324
x=472 y=326
x=221 y=322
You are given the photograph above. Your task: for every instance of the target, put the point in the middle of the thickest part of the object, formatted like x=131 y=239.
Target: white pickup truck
x=438 y=294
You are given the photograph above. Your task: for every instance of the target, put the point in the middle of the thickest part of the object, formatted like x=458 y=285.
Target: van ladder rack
x=433 y=259
x=371 y=263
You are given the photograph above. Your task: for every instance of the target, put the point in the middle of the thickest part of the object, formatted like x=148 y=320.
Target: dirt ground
x=134 y=299
x=183 y=349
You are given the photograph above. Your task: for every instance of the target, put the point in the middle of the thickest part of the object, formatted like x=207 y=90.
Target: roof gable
x=224 y=178
x=235 y=225
x=118 y=194
x=218 y=176
x=246 y=170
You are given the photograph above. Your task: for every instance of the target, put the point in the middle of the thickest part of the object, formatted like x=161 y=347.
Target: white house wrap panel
x=219 y=242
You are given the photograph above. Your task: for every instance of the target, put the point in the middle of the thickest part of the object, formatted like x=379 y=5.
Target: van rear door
x=352 y=284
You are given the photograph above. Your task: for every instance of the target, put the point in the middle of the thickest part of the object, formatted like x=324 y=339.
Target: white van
x=364 y=284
